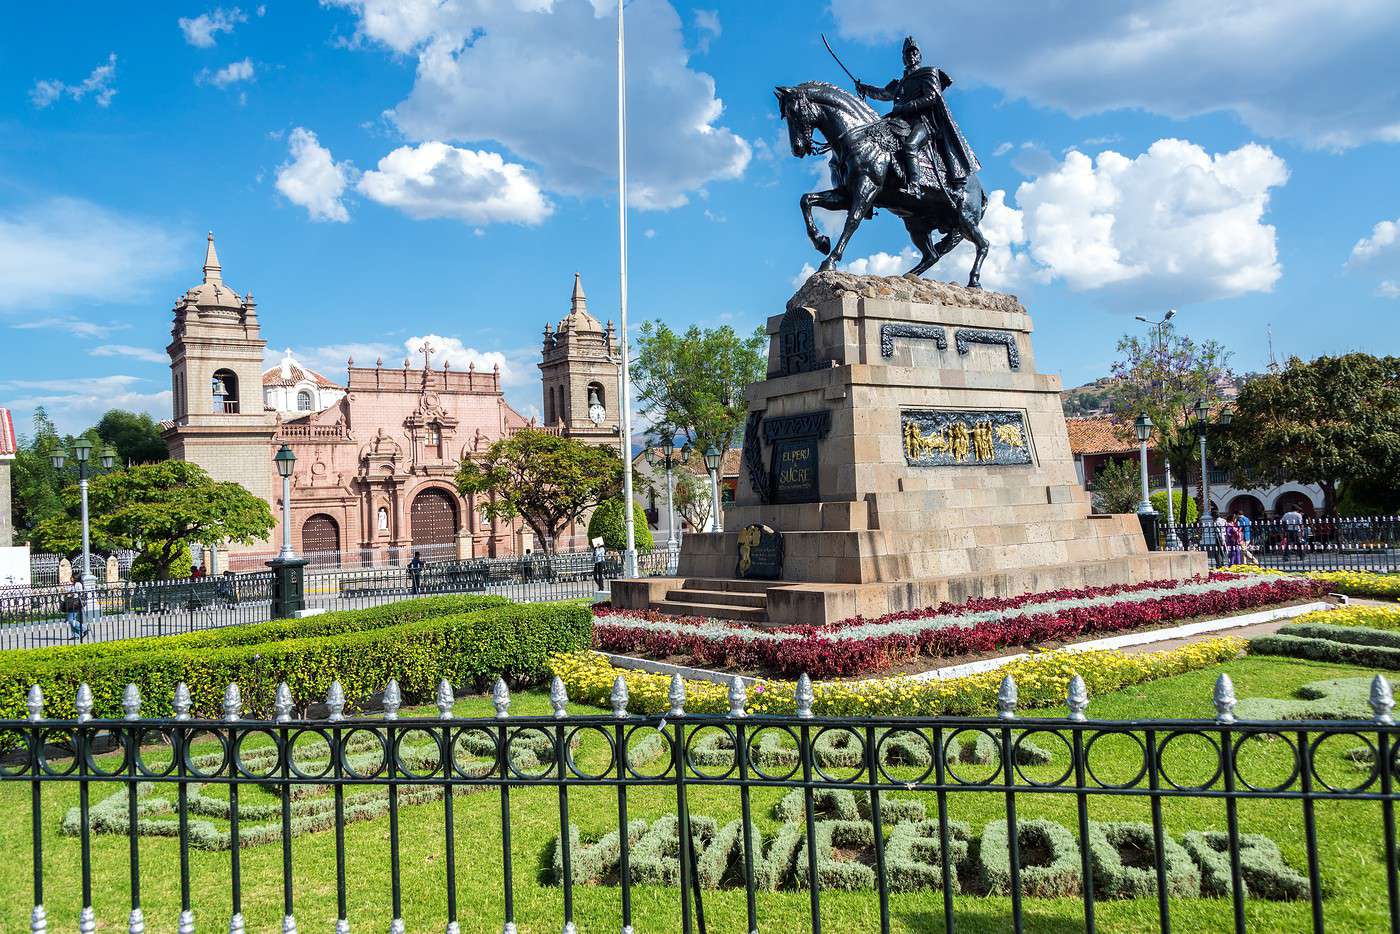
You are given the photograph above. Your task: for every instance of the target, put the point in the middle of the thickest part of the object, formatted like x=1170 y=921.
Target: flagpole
x=629 y=557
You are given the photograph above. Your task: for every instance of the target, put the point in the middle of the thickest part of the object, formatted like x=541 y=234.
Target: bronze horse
x=863 y=148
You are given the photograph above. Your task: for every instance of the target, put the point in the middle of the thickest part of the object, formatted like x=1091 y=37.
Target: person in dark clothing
x=415 y=571
x=600 y=559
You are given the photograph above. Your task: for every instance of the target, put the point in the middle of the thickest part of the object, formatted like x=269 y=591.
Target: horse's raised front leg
x=833 y=199
x=865 y=191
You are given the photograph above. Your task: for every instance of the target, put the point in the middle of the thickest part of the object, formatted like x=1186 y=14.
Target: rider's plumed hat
x=910 y=43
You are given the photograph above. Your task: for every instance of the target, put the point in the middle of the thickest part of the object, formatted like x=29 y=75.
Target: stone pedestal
x=908 y=451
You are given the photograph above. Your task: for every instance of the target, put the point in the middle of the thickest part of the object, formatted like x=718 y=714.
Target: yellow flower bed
x=1355 y=583
x=1370 y=617
x=1041 y=681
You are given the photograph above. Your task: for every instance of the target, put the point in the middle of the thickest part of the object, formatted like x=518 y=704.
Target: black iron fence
x=885 y=766
x=34 y=617
x=1341 y=543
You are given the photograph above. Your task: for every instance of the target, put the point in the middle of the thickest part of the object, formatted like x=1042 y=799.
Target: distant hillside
x=1089 y=399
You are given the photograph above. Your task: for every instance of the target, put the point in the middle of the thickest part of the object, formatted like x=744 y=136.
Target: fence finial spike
x=131 y=702
x=619 y=697
x=804 y=696
x=342 y=926
x=738 y=697
x=136 y=922
x=1224 y=699
x=35 y=702
x=500 y=697
x=391 y=699
x=445 y=699
x=233 y=710
x=87 y=921
x=452 y=928
x=235 y=924
x=1077 y=698
x=335 y=701
x=186 y=922
x=183 y=701
x=282 y=703
x=38 y=920
x=396 y=926
x=84 y=703
x=1382 y=700
x=675 y=694
x=289 y=924
x=1006 y=699
x=558 y=698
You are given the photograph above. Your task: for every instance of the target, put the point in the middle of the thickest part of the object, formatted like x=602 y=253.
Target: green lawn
x=1351 y=849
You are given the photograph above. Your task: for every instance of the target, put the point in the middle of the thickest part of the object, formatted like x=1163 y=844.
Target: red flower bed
x=818 y=652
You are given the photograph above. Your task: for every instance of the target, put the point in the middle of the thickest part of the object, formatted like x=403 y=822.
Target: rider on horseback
x=919 y=105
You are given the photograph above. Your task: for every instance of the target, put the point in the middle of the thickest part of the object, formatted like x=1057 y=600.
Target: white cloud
x=76 y=402
x=538 y=78
x=312 y=179
x=201 y=31
x=1380 y=252
x=127 y=350
x=1173 y=225
x=67 y=249
x=437 y=180
x=98 y=84
x=1320 y=73
x=232 y=73
x=76 y=326
x=707 y=24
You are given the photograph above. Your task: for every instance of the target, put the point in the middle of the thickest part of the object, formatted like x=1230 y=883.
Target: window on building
x=304 y=401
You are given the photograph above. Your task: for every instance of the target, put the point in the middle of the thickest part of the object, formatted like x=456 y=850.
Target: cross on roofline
x=427 y=351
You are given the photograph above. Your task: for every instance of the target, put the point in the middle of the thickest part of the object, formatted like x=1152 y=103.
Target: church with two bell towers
x=376 y=452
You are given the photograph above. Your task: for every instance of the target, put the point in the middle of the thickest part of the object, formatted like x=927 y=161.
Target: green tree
x=692 y=498
x=1332 y=421
x=1184 y=511
x=135 y=435
x=159 y=510
x=1117 y=487
x=1166 y=378
x=37 y=489
x=606 y=522
x=695 y=381
x=546 y=480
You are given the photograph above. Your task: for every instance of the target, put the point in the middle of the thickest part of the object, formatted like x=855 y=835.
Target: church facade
x=376 y=454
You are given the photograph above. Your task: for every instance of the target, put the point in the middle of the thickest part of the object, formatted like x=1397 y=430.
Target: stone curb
x=991 y=664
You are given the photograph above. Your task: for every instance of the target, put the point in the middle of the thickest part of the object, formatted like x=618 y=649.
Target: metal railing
x=1341 y=543
x=33 y=618
x=427 y=762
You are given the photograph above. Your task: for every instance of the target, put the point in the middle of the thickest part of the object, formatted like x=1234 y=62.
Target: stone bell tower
x=216 y=360
x=580 y=370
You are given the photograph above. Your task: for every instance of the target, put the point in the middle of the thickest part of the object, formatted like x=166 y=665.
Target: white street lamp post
x=82 y=451
x=286 y=461
x=1144 y=432
x=1203 y=422
x=1173 y=542
x=712 y=462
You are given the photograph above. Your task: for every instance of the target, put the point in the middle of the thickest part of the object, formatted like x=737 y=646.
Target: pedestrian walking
x=1234 y=539
x=72 y=607
x=1293 y=534
x=600 y=558
x=415 y=571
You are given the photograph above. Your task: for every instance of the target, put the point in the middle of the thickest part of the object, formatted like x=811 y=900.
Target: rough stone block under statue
x=907 y=451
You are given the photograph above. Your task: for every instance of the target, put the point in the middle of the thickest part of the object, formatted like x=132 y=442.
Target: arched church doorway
x=320 y=533
x=433 y=518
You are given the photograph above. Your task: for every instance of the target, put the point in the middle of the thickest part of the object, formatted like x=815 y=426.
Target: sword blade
x=838 y=60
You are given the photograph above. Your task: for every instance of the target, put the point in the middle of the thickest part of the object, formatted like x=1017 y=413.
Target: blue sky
x=378 y=171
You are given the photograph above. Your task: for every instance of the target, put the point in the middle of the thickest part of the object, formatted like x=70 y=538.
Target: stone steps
x=726 y=597
x=727 y=584
x=745 y=614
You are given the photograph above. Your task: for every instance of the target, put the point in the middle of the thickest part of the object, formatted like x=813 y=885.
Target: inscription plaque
x=795 y=471
x=760 y=553
x=797 y=341
x=943 y=438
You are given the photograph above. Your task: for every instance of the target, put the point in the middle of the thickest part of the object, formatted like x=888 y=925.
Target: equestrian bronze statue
x=914 y=162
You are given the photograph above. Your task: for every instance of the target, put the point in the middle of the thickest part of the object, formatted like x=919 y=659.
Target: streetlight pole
x=1172 y=542
x=667 y=458
x=629 y=554
x=82 y=451
x=712 y=462
x=1147 y=516
x=1203 y=422
x=288 y=570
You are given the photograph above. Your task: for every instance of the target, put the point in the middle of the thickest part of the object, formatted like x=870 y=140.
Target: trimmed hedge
x=468 y=649
x=1326 y=650
x=914 y=855
x=1355 y=635
x=1136 y=876
x=1058 y=876
x=1265 y=874
x=1332 y=699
